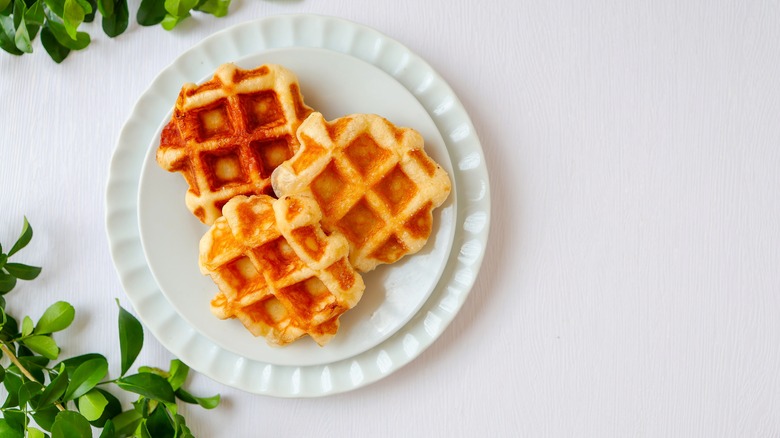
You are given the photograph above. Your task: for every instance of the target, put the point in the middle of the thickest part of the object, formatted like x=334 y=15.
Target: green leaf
x=116 y=24
x=56 y=51
x=3 y=258
x=93 y=9
x=4 y=4
x=22 y=272
x=57 y=317
x=22 y=38
x=7 y=282
x=160 y=424
x=54 y=390
x=35 y=15
x=2 y=374
x=126 y=422
x=16 y=418
x=45 y=417
x=8 y=35
x=92 y=404
x=182 y=431
x=178 y=374
x=217 y=8
x=86 y=376
x=148 y=385
x=28 y=391
x=171 y=21
x=56 y=6
x=72 y=17
x=24 y=238
x=180 y=8
x=111 y=410
x=27 y=326
x=35 y=433
x=131 y=338
x=108 y=430
x=7 y=429
x=70 y=424
x=106 y=7
x=72 y=363
x=59 y=32
x=43 y=345
x=150 y=12
x=205 y=402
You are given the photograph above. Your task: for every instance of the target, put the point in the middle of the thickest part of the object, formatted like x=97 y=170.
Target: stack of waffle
x=298 y=206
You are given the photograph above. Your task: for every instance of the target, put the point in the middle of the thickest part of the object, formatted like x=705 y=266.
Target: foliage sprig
x=49 y=397
x=58 y=21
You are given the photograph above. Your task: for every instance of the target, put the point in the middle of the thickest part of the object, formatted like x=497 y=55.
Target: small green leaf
x=35 y=15
x=205 y=402
x=16 y=418
x=45 y=417
x=70 y=424
x=131 y=338
x=116 y=24
x=62 y=36
x=126 y=422
x=108 y=430
x=72 y=363
x=3 y=258
x=27 y=326
x=171 y=21
x=148 y=385
x=93 y=9
x=22 y=272
x=54 y=390
x=35 y=433
x=160 y=424
x=92 y=404
x=180 y=8
x=56 y=51
x=106 y=7
x=150 y=12
x=9 y=430
x=24 y=238
x=111 y=410
x=217 y=8
x=43 y=345
x=2 y=374
x=22 y=38
x=86 y=376
x=57 y=317
x=4 y=4
x=28 y=391
x=72 y=17
x=178 y=374
x=56 y=6
x=7 y=282
x=8 y=35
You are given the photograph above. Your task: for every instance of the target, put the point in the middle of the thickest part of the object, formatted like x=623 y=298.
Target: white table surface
x=631 y=285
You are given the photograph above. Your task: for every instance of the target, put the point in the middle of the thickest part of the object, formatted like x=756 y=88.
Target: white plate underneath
x=343 y=68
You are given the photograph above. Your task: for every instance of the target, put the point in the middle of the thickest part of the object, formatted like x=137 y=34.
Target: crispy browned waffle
x=277 y=271
x=228 y=134
x=372 y=180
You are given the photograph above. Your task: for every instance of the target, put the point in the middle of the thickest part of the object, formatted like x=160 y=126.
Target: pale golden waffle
x=277 y=271
x=228 y=134
x=373 y=182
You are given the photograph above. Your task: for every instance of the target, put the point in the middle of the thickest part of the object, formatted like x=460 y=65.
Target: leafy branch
x=58 y=21
x=70 y=397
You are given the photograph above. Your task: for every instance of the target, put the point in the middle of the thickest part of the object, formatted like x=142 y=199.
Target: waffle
x=373 y=182
x=277 y=271
x=228 y=134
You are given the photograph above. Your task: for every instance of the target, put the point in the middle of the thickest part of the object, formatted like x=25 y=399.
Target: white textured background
x=631 y=286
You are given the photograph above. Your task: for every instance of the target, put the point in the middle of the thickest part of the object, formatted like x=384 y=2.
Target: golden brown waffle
x=277 y=271
x=228 y=134
x=373 y=182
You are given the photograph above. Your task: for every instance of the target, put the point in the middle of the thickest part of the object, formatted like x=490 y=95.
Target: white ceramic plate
x=343 y=68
